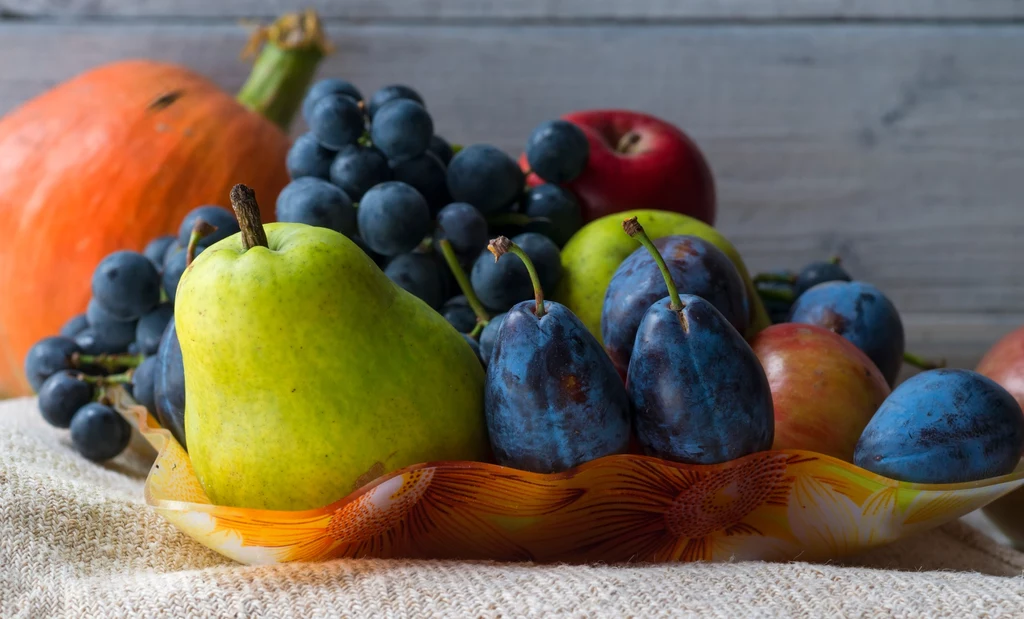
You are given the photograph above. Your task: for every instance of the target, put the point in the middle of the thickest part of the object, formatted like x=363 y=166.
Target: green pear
x=592 y=255
x=309 y=373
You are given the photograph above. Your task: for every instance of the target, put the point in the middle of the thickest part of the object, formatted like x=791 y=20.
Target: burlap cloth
x=76 y=540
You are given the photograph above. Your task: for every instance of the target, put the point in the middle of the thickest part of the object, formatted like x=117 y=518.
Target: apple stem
x=482 y=317
x=922 y=363
x=109 y=363
x=636 y=231
x=200 y=230
x=627 y=142
x=501 y=246
x=778 y=278
x=247 y=211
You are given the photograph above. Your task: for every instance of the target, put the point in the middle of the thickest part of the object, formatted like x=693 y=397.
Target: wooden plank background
x=890 y=133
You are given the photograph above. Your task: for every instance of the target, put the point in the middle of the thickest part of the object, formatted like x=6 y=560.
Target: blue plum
x=557 y=151
x=862 y=314
x=818 y=273
x=943 y=426
x=698 y=391
x=697 y=267
x=551 y=397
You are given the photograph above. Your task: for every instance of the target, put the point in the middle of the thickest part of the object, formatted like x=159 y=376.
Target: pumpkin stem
x=289 y=50
x=243 y=201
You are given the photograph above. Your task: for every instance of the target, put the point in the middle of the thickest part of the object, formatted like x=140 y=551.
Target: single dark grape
x=127 y=284
x=47 y=357
x=307 y=157
x=105 y=334
x=427 y=175
x=390 y=93
x=169 y=386
x=61 y=396
x=457 y=311
x=476 y=348
x=336 y=121
x=174 y=267
x=464 y=227
x=818 y=273
x=441 y=149
x=420 y=275
x=485 y=177
x=326 y=87
x=316 y=202
x=401 y=130
x=99 y=433
x=74 y=326
x=488 y=336
x=378 y=259
x=151 y=328
x=393 y=218
x=218 y=216
x=143 y=383
x=558 y=207
x=503 y=283
x=157 y=249
x=356 y=169
x=557 y=151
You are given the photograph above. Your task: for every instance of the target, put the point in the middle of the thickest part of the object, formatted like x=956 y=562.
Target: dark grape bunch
x=375 y=170
x=116 y=340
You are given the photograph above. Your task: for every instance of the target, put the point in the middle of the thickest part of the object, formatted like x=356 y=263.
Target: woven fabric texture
x=77 y=540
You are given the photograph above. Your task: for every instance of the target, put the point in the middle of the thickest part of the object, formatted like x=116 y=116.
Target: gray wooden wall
x=891 y=133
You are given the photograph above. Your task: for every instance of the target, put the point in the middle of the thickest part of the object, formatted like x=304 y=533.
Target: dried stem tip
x=632 y=226
x=499 y=247
x=247 y=211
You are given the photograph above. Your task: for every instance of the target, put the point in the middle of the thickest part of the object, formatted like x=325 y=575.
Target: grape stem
x=482 y=317
x=114 y=379
x=501 y=246
x=109 y=363
x=200 y=230
x=478 y=329
x=633 y=228
x=922 y=363
x=247 y=212
x=777 y=278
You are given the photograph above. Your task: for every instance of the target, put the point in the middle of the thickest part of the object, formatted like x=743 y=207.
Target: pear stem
x=922 y=363
x=247 y=211
x=482 y=317
x=200 y=230
x=109 y=363
x=636 y=231
x=501 y=246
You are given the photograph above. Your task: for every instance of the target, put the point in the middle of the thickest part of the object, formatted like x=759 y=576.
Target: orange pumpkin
x=117 y=156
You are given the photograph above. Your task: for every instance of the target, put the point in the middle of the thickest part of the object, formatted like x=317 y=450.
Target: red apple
x=638 y=161
x=1004 y=363
x=824 y=389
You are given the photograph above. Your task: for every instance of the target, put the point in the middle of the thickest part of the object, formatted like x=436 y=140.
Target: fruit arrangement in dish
x=436 y=350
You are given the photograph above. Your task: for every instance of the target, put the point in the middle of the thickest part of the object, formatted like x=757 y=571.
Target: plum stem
x=501 y=246
x=636 y=231
x=922 y=363
x=482 y=317
x=200 y=230
x=775 y=278
x=109 y=363
x=247 y=211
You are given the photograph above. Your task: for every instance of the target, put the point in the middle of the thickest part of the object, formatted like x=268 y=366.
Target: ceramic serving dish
x=775 y=505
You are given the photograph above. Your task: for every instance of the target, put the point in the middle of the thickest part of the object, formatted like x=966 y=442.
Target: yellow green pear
x=309 y=373
x=592 y=255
